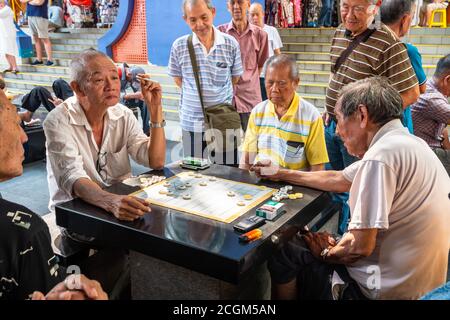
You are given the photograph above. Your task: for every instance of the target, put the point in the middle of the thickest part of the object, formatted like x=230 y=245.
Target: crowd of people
x=393 y=185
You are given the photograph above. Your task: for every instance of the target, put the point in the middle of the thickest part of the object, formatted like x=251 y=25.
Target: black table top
x=187 y=240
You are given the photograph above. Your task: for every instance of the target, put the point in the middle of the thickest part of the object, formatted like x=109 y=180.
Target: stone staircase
x=309 y=46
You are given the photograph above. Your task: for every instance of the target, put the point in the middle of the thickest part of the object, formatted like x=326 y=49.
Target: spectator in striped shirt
x=379 y=52
x=431 y=113
x=397 y=16
x=285 y=130
x=219 y=62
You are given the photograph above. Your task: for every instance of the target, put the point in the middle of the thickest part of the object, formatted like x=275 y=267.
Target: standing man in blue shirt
x=219 y=63
x=37 y=13
x=397 y=16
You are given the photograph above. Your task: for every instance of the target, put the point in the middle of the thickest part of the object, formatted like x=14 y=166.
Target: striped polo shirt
x=295 y=141
x=381 y=54
x=216 y=71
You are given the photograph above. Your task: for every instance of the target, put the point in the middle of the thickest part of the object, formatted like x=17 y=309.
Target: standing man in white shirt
x=90 y=137
x=220 y=67
x=257 y=18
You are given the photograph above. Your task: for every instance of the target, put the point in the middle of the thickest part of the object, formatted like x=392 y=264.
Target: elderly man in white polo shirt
x=219 y=62
x=398 y=237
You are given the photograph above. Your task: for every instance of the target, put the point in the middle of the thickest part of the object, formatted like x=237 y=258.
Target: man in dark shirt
x=28 y=265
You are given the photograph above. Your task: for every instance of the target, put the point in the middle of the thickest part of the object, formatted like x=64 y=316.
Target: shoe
x=49 y=63
x=36 y=62
x=6 y=71
x=16 y=71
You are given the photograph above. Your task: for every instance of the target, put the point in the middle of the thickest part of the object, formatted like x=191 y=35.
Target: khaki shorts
x=434 y=6
x=39 y=27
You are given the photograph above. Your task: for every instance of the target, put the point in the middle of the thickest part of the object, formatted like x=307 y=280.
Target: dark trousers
x=339 y=159
x=244 y=120
x=39 y=96
x=194 y=145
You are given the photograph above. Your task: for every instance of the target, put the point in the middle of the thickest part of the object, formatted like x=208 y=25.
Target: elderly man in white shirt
x=398 y=237
x=91 y=136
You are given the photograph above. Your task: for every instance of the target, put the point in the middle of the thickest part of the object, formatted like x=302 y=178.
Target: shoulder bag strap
x=196 y=72
x=344 y=55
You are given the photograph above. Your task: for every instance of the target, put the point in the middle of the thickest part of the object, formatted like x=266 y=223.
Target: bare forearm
x=410 y=96
x=333 y=181
x=157 y=148
x=91 y=192
x=354 y=245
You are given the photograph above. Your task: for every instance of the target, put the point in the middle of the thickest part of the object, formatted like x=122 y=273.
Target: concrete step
x=65 y=54
x=427 y=59
x=26 y=85
x=325 y=47
x=44 y=69
x=98 y=31
x=71 y=47
x=76 y=42
x=40 y=77
x=67 y=35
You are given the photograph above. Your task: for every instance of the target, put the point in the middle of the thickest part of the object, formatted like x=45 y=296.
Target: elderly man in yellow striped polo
x=285 y=129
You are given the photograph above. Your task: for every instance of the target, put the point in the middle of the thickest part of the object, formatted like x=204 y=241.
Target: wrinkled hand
x=56 y=101
x=127 y=208
x=75 y=287
x=317 y=241
x=266 y=169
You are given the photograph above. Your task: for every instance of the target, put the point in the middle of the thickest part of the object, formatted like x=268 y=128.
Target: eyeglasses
x=101 y=164
x=282 y=84
x=355 y=9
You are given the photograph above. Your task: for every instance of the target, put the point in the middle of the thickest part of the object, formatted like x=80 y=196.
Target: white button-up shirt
x=72 y=152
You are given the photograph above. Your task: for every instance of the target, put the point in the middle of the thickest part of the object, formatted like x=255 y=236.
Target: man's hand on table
x=266 y=169
x=127 y=208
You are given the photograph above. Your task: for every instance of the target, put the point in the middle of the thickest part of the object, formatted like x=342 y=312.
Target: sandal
x=15 y=71
x=7 y=70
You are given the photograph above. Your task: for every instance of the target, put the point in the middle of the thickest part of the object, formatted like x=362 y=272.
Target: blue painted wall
x=165 y=24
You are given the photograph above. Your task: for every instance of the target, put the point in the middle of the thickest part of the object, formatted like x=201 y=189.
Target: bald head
x=256 y=14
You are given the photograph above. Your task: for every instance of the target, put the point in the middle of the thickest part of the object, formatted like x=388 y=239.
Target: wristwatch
x=324 y=253
x=161 y=124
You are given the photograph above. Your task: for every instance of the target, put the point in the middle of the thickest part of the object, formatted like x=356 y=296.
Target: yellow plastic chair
x=443 y=21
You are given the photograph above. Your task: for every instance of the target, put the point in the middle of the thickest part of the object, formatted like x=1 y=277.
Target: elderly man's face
x=351 y=131
x=356 y=14
x=256 y=15
x=12 y=137
x=200 y=18
x=238 y=9
x=280 y=86
x=103 y=85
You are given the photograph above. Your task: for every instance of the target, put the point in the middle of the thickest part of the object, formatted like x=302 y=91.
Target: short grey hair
x=383 y=102
x=392 y=11
x=282 y=60
x=79 y=72
x=208 y=3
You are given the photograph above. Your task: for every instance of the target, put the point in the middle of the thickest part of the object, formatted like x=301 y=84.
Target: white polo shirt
x=400 y=188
